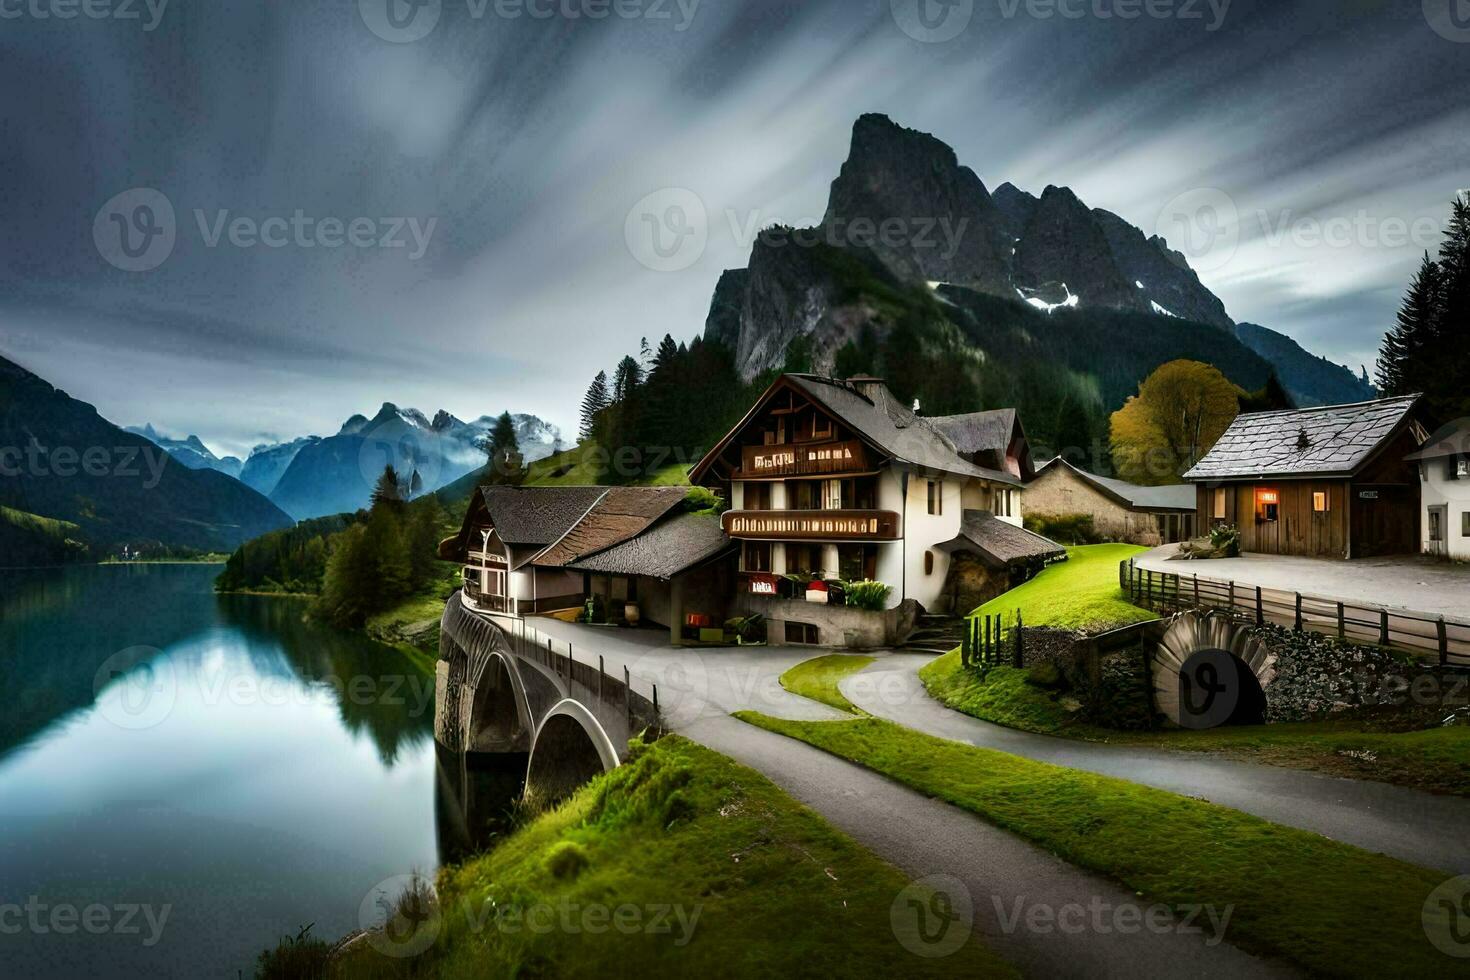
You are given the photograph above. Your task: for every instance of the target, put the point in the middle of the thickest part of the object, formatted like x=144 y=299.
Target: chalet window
x=1436 y=525
x=1005 y=503
x=1268 y=506
x=857 y=562
x=1320 y=503
x=804 y=559
x=756 y=557
x=803 y=633
x=936 y=497
x=804 y=495
x=821 y=428
x=832 y=492
x=1465 y=524
x=1460 y=468
x=1219 y=505
x=757 y=496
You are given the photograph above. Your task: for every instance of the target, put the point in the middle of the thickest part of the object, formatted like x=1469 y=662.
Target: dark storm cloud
x=519 y=144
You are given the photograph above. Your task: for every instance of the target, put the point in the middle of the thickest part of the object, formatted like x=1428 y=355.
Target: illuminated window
x=1268 y=506
x=1319 y=502
x=1219 y=505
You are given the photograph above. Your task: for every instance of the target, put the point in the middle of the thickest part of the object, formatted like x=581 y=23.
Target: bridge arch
x=1210 y=670
x=500 y=718
x=571 y=748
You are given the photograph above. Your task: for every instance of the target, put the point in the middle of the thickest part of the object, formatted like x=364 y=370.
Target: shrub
x=298 y=958
x=1064 y=528
x=1226 y=538
x=872 y=596
x=703 y=500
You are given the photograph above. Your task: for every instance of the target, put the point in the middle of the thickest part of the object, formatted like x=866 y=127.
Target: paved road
x=1419 y=585
x=1421 y=828
x=1001 y=873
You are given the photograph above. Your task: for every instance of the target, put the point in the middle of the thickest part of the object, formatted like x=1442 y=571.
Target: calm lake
x=184 y=778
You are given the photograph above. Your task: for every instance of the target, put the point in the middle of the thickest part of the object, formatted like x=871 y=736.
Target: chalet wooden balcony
x=814 y=459
x=812 y=525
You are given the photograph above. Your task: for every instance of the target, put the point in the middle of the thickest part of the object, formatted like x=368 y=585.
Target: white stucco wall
x=1454 y=496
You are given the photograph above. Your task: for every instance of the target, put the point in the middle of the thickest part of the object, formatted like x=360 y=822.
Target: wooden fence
x=1417 y=633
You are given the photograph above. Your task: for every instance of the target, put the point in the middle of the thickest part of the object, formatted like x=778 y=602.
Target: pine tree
x=503 y=450
x=388 y=490
x=1403 y=355
x=594 y=403
x=626 y=380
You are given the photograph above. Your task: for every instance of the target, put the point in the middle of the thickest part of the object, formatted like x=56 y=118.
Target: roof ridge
x=1279 y=412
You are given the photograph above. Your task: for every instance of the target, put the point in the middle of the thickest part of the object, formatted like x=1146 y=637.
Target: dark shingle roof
x=537 y=515
x=619 y=514
x=1335 y=440
x=893 y=428
x=1177 y=497
x=978 y=432
x=673 y=546
x=1000 y=543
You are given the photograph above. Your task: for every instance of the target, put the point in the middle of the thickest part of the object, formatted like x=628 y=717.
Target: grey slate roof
x=893 y=428
x=619 y=514
x=668 y=548
x=1450 y=440
x=978 y=432
x=1178 y=497
x=537 y=515
x=1340 y=439
x=1000 y=543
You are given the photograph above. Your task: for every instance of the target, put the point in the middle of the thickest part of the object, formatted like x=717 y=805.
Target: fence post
x=1232 y=598
x=1341 y=622
x=1196 y=590
x=627 y=699
x=1020 y=640
x=655 y=701
x=1260 y=608
x=601 y=668
x=1298 y=612
x=1383 y=637
x=1444 y=644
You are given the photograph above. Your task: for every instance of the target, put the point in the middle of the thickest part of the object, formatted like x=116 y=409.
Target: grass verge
x=1328 y=907
x=759 y=885
x=1436 y=759
x=1081 y=593
x=818 y=679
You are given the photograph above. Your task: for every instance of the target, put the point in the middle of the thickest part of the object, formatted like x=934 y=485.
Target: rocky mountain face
x=79 y=477
x=1309 y=380
x=269 y=462
x=336 y=474
x=904 y=213
x=190 y=451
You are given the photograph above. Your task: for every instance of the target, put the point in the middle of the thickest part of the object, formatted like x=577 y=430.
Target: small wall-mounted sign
x=763 y=585
x=1367 y=494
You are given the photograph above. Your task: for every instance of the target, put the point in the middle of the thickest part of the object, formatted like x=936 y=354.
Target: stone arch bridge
x=501 y=690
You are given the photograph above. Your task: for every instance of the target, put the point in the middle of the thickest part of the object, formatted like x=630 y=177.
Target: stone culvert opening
x=1210 y=671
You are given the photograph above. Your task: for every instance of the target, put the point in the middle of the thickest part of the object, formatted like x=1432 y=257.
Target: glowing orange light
x=1268 y=496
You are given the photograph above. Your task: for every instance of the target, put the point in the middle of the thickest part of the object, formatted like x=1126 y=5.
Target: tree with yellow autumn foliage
x=1179 y=413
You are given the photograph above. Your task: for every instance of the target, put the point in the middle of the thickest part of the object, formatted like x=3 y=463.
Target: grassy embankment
x=1084 y=594
x=818 y=679
x=759 y=885
x=1330 y=908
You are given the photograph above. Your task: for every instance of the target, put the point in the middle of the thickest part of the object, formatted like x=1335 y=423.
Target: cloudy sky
x=332 y=203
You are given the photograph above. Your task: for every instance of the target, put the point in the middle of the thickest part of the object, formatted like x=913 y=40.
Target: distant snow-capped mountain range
x=318 y=475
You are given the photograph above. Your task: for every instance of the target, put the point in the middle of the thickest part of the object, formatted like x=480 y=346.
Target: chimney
x=867 y=386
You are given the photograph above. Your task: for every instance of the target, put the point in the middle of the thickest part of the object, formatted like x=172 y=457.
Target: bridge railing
x=1417 y=633
x=584 y=672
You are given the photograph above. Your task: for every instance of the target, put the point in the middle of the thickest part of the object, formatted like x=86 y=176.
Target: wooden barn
x=1329 y=482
